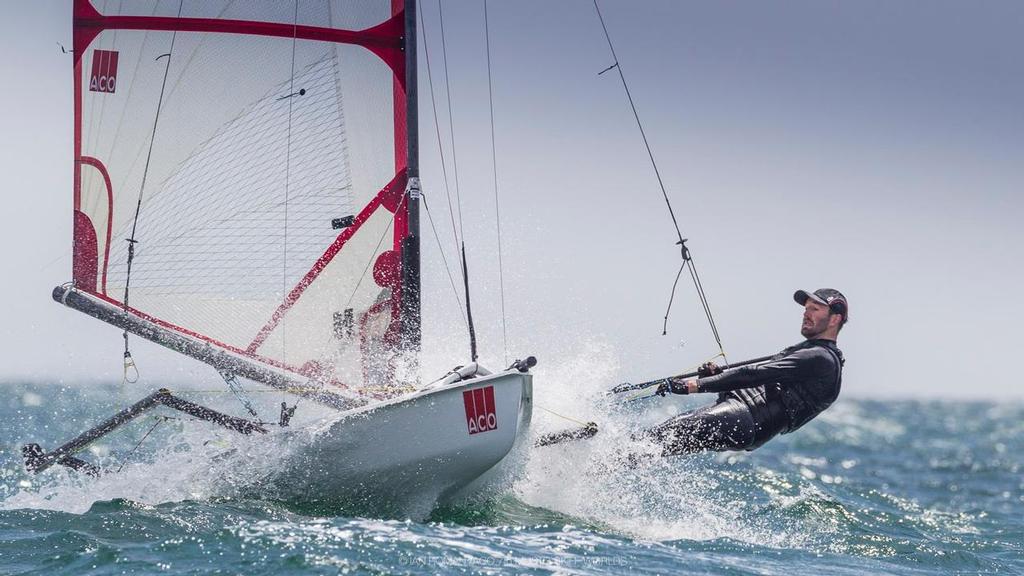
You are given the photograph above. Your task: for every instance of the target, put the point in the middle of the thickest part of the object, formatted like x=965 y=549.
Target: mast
x=410 y=313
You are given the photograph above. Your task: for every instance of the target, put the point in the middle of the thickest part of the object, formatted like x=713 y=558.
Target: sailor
x=758 y=402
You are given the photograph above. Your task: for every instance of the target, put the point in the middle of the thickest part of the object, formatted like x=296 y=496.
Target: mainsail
x=246 y=193
x=243 y=177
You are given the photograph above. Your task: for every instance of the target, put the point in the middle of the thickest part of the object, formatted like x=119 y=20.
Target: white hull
x=402 y=456
x=409 y=454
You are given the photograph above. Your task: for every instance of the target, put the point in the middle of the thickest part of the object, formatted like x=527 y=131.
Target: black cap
x=830 y=297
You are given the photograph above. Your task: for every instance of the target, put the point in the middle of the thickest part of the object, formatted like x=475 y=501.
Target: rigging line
x=447 y=269
x=458 y=196
x=149 y=156
x=707 y=307
x=703 y=299
x=159 y=420
x=236 y=388
x=497 y=208
x=437 y=130
x=177 y=83
x=671 y=298
x=444 y=172
x=682 y=241
x=287 y=180
x=181 y=76
x=129 y=362
x=569 y=418
x=636 y=115
x=451 y=121
x=688 y=263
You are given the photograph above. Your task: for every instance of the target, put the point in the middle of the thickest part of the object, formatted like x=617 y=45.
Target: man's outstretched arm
x=750 y=376
x=797 y=366
x=800 y=365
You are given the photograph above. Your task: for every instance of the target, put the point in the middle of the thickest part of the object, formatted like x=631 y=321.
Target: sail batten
x=275 y=122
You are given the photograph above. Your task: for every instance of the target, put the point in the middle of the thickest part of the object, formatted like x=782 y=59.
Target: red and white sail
x=229 y=135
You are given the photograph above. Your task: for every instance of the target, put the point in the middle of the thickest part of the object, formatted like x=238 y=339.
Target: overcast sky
x=874 y=147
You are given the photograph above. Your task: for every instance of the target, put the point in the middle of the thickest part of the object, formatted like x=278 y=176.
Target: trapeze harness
x=756 y=403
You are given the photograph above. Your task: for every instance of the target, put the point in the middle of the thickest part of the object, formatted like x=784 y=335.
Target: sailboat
x=246 y=193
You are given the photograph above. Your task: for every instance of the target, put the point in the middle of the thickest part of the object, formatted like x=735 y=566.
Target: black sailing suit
x=755 y=403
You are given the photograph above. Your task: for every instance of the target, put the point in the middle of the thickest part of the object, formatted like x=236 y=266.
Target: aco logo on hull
x=481 y=415
x=104 y=71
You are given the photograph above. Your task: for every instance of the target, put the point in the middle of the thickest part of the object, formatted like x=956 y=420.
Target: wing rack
x=37 y=460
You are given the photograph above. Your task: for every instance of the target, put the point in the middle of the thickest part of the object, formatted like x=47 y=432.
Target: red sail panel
x=228 y=137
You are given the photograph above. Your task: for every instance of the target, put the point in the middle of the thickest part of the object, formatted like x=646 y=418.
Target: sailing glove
x=708 y=369
x=672 y=385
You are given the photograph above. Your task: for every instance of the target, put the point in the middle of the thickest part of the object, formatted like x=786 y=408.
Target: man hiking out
x=756 y=403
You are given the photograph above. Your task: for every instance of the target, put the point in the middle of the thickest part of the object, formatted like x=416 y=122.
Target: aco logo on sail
x=104 y=71
x=481 y=415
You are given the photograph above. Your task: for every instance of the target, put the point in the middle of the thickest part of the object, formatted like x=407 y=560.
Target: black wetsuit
x=756 y=403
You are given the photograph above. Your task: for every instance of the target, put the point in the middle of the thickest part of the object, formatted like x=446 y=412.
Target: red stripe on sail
x=110 y=213
x=397 y=185
x=384 y=40
x=401 y=162
x=303 y=371
x=83 y=265
x=401 y=137
x=80 y=41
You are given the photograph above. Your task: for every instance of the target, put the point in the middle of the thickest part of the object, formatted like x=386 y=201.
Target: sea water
x=903 y=487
